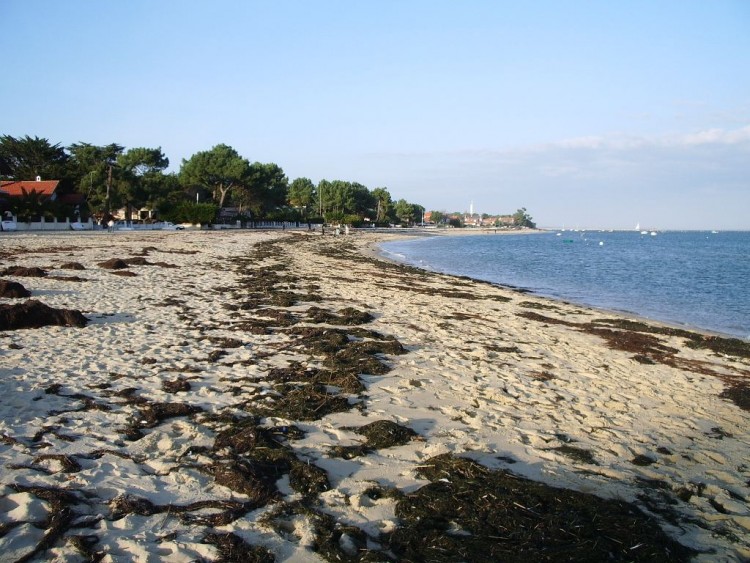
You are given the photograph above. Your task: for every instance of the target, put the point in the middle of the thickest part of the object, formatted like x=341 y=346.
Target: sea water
x=699 y=280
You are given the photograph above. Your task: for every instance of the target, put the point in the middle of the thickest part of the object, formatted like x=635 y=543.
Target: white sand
x=478 y=380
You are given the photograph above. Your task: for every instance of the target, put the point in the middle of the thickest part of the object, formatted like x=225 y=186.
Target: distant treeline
x=111 y=177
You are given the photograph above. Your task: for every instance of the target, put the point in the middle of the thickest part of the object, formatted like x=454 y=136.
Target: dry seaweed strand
x=470 y=513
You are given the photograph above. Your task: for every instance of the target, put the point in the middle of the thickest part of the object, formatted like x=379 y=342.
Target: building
x=16 y=188
x=45 y=188
x=67 y=206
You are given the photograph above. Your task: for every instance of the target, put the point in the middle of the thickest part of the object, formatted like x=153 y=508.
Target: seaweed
x=35 y=314
x=13 y=290
x=332 y=540
x=470 y=513
x=254 y=479
x=378 y=435
x=580 y=455
x=344 y=317
x=175 y=386
x=113 y=264
x=72 y=266
x=23 y=272
x=307 y=402
x=151 y=414
x=59 y=521
x=308 y=479
x=233 y=549
x=642 y=460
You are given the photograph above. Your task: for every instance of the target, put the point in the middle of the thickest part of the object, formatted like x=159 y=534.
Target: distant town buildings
x=469 y=219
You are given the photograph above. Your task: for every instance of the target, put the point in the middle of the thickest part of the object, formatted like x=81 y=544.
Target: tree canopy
x=522 y=219
x=219 y=170
x=25 y=158
x=301 y=195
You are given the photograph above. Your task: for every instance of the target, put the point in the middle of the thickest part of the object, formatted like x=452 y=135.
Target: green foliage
x=408 y=213
x=109 y=177
x=301 y=195
x=31 y=206
x=219 y=170
x=264 y=189
x=383 y=204
x=143 y=161
x=97 y=174
x=523 y=219
x=25 y=158
x=353 y=220
x=334 y=217
x=345 y=198
x=139 y=176
x=195 y=213
x=438 y=217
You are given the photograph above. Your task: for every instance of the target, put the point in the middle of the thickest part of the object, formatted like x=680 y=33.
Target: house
x=47 y=188
x=16 y=188
x=39 y=215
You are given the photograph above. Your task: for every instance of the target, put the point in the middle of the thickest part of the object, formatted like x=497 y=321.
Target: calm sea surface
x=696 y=279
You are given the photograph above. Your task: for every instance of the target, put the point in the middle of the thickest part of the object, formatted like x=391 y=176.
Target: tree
x=264 y=190
x=143 y=161
x=31 y=206
x=195 y=213
x=361 y=201
x=97 y=174
x=406 y=212
x=165 y=192
x=140 y=180
x=339 y=199
x=220 y=169
x=25 y=158
x=437 y=217
x=523 y=219
x=383 y=204
x=325 y=189
x=301 y=195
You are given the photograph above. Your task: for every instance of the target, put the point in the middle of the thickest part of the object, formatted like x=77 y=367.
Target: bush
x=196 y=213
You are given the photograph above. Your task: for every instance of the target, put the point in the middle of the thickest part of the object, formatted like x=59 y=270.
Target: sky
x=590 y=114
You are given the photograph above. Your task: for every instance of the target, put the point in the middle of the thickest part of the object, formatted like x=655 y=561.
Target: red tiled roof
x=44 y=187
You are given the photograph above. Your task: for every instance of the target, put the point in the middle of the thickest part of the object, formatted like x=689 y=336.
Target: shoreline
x=377 y=252
x=219 y=346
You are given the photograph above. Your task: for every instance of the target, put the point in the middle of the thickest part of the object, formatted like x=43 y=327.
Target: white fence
x=54 y=225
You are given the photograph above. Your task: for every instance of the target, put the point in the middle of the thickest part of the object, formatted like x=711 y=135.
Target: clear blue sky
x=587 y=113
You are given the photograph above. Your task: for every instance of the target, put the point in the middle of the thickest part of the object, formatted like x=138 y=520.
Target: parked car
x=169 y=226
x=9 y=225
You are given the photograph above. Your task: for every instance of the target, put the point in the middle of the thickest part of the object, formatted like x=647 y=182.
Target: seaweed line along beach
x=286 y=396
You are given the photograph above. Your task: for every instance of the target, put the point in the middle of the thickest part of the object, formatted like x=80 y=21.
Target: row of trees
x=111 y=177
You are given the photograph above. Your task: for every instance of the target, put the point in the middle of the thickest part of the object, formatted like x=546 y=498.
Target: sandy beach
x=261 y=396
